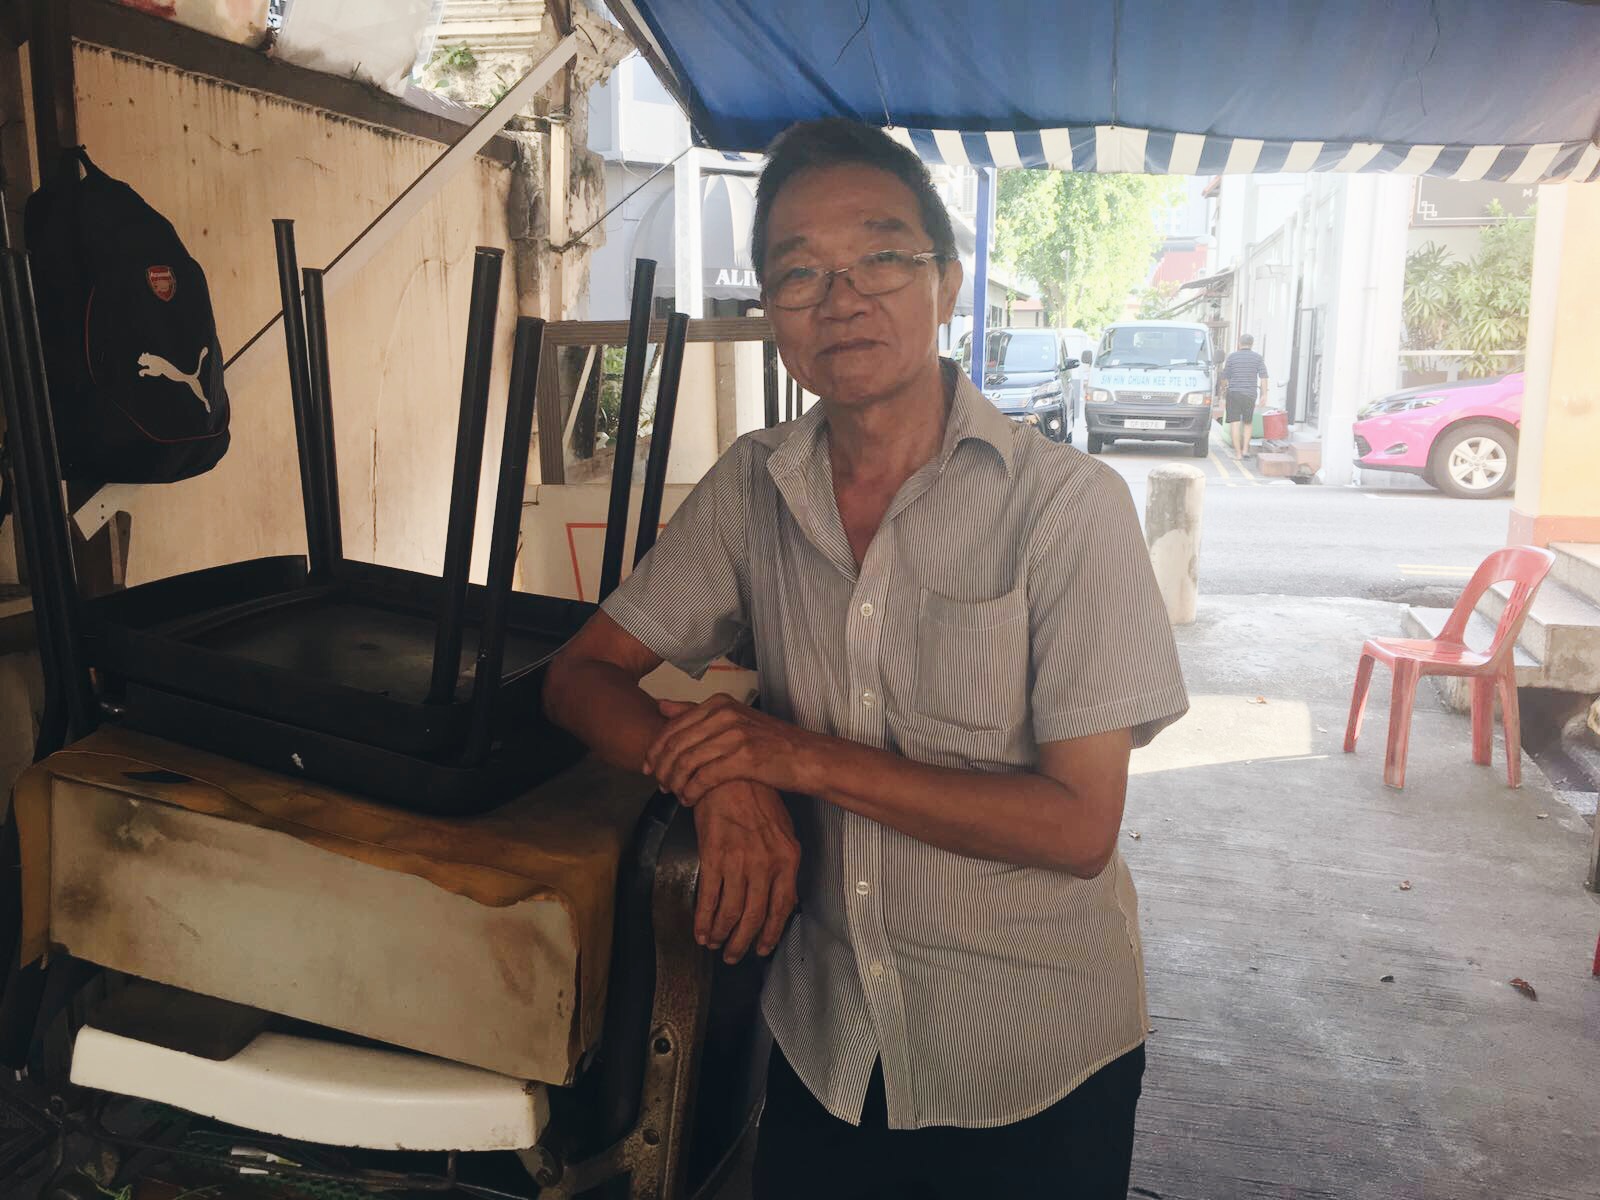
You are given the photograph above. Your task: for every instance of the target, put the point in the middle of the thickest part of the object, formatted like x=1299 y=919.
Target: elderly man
x=1243 y=380
x=959 y=641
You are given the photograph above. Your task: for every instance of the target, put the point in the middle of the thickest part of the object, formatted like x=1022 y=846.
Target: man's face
x=853 y=349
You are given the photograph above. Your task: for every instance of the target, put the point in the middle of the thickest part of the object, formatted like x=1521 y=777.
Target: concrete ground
x=1319 y=1030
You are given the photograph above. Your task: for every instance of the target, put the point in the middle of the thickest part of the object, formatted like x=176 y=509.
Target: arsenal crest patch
x=162 y=282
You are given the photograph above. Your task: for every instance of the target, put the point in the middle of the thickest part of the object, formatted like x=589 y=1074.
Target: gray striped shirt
x=1006 y=600
x=1242 y=369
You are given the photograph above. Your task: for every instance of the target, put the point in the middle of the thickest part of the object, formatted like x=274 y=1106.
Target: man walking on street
x=938 y=768
x=1244 y=378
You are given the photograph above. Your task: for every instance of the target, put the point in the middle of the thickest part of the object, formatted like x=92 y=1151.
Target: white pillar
x=687 y=268
x=1172 y=510
x=1558 y=489
x=1362 y=345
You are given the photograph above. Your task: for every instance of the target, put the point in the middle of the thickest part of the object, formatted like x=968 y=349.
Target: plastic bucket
x=1275 y=425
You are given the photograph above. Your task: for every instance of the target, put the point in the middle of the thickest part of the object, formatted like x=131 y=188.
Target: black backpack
x=130 y=343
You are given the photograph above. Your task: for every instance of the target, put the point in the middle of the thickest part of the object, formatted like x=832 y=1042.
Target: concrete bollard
x=1172 y=532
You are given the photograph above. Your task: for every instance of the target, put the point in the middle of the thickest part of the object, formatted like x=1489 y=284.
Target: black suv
x=1027 y=376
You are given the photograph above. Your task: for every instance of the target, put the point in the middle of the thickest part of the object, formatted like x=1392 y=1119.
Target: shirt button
x=866 y=609
x=863 y=887
x=877 y=970
x=868 y=699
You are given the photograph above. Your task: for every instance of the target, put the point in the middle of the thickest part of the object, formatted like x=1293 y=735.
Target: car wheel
x=1474 y=461
x=1095 y=444
x=1202 y=447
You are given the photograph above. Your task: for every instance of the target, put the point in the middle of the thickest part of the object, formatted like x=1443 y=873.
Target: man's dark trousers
x=1079 y=1148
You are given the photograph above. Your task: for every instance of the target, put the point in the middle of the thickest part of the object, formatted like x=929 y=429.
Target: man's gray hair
x=1246 y=339
x=835 y=141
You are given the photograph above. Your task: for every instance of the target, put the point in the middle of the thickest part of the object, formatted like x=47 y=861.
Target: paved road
x=1272 y=536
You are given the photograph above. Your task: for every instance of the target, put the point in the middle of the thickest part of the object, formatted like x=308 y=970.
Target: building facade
x=1313 y=267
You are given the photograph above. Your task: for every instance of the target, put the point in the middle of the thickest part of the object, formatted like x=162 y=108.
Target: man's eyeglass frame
x=826 y=278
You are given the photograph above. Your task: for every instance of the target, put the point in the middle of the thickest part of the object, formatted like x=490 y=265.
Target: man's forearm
x=1022 y=818
x=601 y=704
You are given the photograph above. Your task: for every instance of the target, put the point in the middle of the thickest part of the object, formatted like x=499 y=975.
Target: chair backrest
x=1525 y=568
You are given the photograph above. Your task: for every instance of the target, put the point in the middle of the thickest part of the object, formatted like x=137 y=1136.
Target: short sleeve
x=689 y=600
x=1103 y=655
x=1261 y=367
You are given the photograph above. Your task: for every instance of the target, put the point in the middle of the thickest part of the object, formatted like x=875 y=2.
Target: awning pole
x=980 y=271
x=688 y=259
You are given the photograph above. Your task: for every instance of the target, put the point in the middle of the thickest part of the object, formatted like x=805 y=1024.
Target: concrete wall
x=1558 y=490
x=221 y=162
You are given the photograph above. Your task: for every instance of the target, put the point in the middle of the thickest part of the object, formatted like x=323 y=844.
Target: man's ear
x=950 y=277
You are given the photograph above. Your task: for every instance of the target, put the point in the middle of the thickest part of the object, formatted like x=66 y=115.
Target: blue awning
x=1460 y=89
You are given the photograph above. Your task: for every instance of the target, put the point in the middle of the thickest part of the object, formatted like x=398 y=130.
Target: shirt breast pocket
x=972 y=660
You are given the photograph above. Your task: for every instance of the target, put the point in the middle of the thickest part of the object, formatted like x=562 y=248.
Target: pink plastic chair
x=1412 y=658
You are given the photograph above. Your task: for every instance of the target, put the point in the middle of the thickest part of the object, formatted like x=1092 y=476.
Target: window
x=967 y=190
x=1145 y=346
x=1022 y=351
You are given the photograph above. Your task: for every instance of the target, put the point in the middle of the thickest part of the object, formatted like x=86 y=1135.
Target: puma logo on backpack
x=122 y=309
x=154 y=364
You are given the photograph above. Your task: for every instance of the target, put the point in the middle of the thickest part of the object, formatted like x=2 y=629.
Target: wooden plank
x=615 y=333
x=548 y=417
x=577 y=393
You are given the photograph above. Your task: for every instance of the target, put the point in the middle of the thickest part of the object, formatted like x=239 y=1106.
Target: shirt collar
x=971 y=417
x=796 y=444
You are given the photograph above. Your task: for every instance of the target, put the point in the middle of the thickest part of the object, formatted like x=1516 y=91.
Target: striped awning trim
x=1117 y=149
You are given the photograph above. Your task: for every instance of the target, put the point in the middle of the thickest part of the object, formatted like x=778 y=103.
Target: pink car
x=1461 y=437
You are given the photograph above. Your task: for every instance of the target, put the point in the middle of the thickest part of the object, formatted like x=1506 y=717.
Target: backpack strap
x=73 y=158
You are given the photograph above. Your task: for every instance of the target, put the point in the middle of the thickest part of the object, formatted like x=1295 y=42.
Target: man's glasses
x=874 y=274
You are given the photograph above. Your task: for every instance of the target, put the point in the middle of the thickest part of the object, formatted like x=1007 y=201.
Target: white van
x=1151 y=381
x=1080 y=345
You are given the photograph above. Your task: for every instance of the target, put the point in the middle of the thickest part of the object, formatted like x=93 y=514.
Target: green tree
x=1087 y=240
x=1427 y=306
x=1480 y=305
x=1157 y=299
